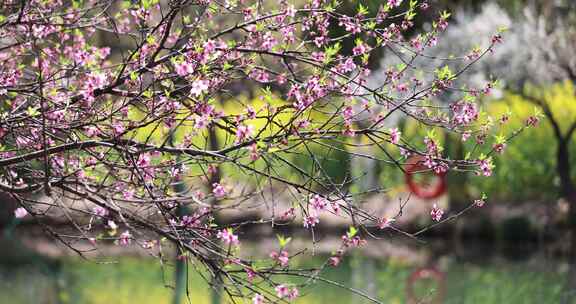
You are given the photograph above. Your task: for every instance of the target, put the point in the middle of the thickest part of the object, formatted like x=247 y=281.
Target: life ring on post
x=426 y=273
x=415 y=165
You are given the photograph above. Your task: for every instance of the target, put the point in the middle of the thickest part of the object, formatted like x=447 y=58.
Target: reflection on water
x=479 y=276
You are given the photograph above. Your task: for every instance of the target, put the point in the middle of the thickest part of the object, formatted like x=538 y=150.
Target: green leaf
x=147 y=93
x=445 y=73
x=362 y=10
x=500 y=139
x=352 y=231
x=410 y=15
x=431 y=134
x=283 y=241
x=133 y=75
x=227 y=66
x=32 y=111
x=445 y=15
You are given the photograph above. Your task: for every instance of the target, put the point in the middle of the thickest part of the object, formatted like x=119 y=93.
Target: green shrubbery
x=527 y=170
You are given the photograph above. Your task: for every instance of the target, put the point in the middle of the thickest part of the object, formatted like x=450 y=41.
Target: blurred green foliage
x=527 y=169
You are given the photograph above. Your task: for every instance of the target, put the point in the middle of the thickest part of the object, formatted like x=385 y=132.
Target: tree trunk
x=567 y=189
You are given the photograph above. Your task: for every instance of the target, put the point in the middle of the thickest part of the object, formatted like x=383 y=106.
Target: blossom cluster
x=140 y=109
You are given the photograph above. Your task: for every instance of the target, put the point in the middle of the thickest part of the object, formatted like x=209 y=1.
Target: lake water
x=470 y=274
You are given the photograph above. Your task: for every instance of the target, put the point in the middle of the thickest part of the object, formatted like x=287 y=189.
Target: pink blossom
x=281 y=257
x=282 y=291
x=385 y=222
x=288 y=214
x=228 y=237
x=250 y=274
x=486 y=166
x=258 y=299
x=92 y=241
x=149 y=244
x=259 y=75
x=401 y=87
x=348 y=130
x=431 y=146
x=405 y=153
x=112 y=225
x=200 y=122
x=99 y=211
x=250 y=112
x=532 y=121
x=320 y=40
x=212 y=170
x=288 y=34
x=243 y=132
x=497 y=38
x=352 y=242
x=499 y=148
x=254 y=154
x=91 y=161
x=92 y=131
x=209 y=46
x=359 y=49
x=268 y=41
x=348 y=112
x=128 y=194
x=347 y=66
x=184 y=68
x=464 y=113
x=96 y=80
x=281 y=78
x=125 y=238
x=20 y=212
x=218 y=190
x=318 y=203
x=143 y=160
x=441 y=168
x=429 y=162
x=335 y=207
x=334 y=261
x=56 y=116
x=118 y=128
x=395 y=136
x=436 y=213
x=318 y=56
x=350 y=25
x=294 y=293
x=190 y=221
x=199 y=87
x=394 y=3
x=416 y=43
x=290 y=11
x=466 y=135
x=311 y=220
x=479 y=202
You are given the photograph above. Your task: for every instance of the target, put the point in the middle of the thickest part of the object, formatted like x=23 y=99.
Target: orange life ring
x=414 y=165
x=426 y=273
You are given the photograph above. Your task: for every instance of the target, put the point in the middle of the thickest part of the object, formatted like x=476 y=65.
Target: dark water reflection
x=472 y=272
